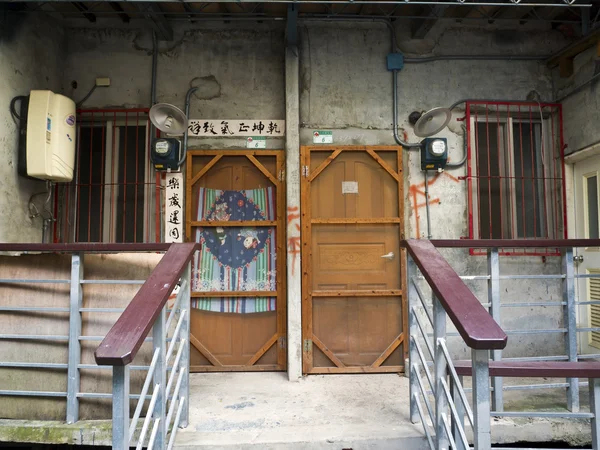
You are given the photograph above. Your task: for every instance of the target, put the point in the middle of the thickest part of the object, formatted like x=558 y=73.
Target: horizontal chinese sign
x=232 y=128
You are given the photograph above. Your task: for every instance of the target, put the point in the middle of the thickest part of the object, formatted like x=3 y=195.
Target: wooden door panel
x=350 y=257
x=353 y=309
x=377 y=190
x=225 y=334
x=357 y=330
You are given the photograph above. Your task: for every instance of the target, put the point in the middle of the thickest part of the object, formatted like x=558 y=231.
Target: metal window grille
x=515 y=173
x=115 y=192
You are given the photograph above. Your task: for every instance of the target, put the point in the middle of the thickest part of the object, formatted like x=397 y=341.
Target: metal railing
x=452 y=299
x=169 y=404
x=434 y=380
x=564 y=284
x=162 y=405
x=74 y=306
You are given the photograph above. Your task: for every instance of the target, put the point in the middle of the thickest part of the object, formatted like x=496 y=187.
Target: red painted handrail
x=124 y=339
x=514 y=243
x=83 y=247
x=476 y=326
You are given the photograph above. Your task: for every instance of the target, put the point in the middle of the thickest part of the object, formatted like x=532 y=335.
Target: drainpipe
x=154 y=66
x=187 y=114
x=427 y=205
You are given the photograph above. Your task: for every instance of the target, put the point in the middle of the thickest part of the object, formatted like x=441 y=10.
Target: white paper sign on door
x=349 y=187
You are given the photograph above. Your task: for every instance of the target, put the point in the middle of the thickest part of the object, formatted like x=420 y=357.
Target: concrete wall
x=96 y=267
x=344 y=87
x=581 y=110
x=32 y=51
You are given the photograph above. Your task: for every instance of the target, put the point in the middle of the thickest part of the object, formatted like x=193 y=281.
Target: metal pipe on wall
x=187 y=114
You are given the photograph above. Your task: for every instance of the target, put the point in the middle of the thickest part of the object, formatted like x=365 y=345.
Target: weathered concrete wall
x=32 y=51
x=239 y=71
x=581 y=110
x=96 y=267
x=344 y=87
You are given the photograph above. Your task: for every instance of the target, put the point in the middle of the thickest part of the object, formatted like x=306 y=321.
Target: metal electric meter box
x=434 y=153
x=166 y=153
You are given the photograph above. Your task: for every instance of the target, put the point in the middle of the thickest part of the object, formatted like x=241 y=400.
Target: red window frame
x=493 y=111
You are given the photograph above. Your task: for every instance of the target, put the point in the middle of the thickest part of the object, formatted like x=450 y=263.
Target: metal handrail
x=122 y=342
x=83 y=247
x=147 y=311
x=473 y=322
x=447 y=427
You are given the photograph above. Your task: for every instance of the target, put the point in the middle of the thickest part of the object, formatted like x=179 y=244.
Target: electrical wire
x=46 y=209
x=89 y=94
x=458 y=164
x=13 y=102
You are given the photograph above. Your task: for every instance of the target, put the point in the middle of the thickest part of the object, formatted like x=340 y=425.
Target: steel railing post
x=185 y=360
x=494 y=308
x=413 y=356
x=441 y=403
x=120 y=408
x=570 y=323
x=594 y=387
x=482 y=438
x=75 y=303
x=160 y=377
x=459 y=422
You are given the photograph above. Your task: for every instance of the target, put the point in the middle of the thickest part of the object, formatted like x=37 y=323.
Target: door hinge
x=305 y=171
x=282 y=341
x=281 y=175
x=307 y=345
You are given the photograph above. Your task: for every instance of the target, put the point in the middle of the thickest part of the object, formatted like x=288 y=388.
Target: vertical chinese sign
x=173 y=207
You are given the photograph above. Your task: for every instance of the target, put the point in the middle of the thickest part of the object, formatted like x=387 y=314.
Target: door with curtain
x=234 y=209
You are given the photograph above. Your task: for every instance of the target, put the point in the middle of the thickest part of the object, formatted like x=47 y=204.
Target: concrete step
x=305 y=438
x=266 y=411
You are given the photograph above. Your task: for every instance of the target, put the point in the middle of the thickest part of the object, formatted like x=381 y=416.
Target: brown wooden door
x=235 y=203
x=353 y=309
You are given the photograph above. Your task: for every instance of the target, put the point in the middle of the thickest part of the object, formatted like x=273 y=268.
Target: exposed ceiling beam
x=121 y=12
x=461 y=3
x=85 y=11
x=513 y=13
x=420 y=27
x=155 y=16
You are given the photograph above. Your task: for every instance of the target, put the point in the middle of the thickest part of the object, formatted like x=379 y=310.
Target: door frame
x=278 y=180
x=306 y=237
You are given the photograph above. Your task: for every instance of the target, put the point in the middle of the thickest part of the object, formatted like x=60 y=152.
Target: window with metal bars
x=115 y=193
x=515 y=172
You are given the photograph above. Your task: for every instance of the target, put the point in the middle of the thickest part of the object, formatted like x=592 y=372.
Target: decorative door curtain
x=235 y=258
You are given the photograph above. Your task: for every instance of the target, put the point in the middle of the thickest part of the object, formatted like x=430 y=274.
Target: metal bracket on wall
x=305 y=171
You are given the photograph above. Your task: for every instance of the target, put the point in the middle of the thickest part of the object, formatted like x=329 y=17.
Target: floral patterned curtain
x=235 y=258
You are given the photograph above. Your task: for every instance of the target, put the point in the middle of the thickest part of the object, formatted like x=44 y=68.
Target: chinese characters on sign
x=174 y=208
x=232 y=128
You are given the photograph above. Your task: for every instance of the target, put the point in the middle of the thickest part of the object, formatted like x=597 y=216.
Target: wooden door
x=353 y=309
x=234 y=207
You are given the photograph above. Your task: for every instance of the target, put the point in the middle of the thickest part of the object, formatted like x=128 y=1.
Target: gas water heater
x=47 y=136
